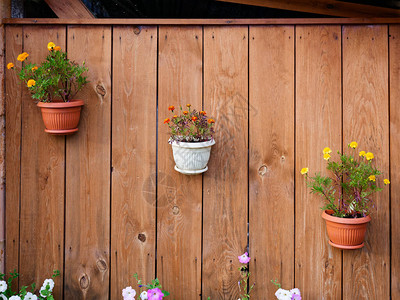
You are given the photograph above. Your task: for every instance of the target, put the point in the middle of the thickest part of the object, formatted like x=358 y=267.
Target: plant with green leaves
x=45 y=292
x=347 y=192
x=152 y=291
x=57 y=78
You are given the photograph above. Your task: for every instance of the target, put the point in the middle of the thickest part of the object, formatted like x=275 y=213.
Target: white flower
x=128 y=293
x=3 y=297
x=143 y=295
x=14 y=298
x=282 y=294
x=50 y=283
x=295 y=291
x=3 y=286
x=30 y=296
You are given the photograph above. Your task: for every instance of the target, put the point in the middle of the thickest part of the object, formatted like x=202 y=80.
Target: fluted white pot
x=191 y=158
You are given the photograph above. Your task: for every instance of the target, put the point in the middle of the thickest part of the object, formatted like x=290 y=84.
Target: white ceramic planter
x=191 y=158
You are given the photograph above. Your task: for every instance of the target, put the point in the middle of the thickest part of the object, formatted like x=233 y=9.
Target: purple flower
x=296 y=297
x=244 y=259
x=155 y=294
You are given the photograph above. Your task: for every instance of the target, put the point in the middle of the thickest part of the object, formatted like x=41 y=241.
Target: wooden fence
x=106 y=202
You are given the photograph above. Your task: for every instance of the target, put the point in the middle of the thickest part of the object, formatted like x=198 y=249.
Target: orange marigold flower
x=211 y=121
x=171 y=108
x=188 y=105
x=10 y=66
x=166 y=120
x=194 y=119
x=57 y=48
x=185 y=112
x=22 y=56
x=34 y=68
x=31 y=83
x=174 y=117
x=203 y=113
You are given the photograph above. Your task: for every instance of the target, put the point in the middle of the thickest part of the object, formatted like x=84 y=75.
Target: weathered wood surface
x=277 y=102
x=271 y=142
x=394 y=92
x=133 y=230
x=179 y=198
x=42 y=177
x=87 y=223
x=225 y=190
x=366 y=272
x=318 y=267
x=13 y=106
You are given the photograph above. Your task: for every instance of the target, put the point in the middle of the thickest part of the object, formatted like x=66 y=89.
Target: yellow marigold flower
x=185 y=112
x=327 y=156
x=353 y=145
x=369 y=156
x=304 y=171
x=203 y=113
x=57 y=48
x=31 y=83
x=22 y=56
x=362 y=153
x=372 y=178
x=386 y=181
x=51 y=46
x=188 y=105
x=34 y=68
x=211 y=121
x=174 y=117
x=326 y=150
x=166 y=120
x=10 y=66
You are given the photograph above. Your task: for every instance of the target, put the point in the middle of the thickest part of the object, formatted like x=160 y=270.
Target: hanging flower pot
x=54 y=83
x=61 y=118
x=191 y=139
x=345 y=233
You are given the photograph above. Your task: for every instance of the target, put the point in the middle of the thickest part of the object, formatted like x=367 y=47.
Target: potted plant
x=191 y=139
x=347 y=193
x=54 y=84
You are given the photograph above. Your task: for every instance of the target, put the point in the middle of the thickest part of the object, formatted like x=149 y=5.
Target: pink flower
x=155 y=294
x=296 y=297
x=244 y=259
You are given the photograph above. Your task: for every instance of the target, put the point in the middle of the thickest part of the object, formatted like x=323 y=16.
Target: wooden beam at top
x=70 y=9
x=324 y=7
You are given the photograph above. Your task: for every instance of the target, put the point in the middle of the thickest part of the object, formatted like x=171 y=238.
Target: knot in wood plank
x=101 y=265
x=175 y=210
x=100 y=89
x=142 y=237
x=137 y=30
x=84 y=282
x=262 y=170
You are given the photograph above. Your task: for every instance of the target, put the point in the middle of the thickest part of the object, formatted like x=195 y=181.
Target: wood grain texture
x=87 y=239
x=133 y=236
x=42 y=177
x=271 y=157
x=394 y=67
x=70 y=9
x=225 y=191
x=318 y=266
x=13 y=97
x=366 y=120
x=179 y=196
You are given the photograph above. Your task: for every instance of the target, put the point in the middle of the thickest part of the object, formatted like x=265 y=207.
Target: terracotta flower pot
x=61 y=118
x=345 y=233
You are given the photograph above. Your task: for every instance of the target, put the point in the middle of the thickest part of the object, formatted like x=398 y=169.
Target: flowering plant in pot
x=191 y=137
x=53 y=84
x=347 y=193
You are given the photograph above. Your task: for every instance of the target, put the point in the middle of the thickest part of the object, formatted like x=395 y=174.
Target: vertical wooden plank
x=42 y=177
x=179 y=196
x=133 y=237
x=394 y=67
x=13 y=148
x=318 y=266
x=87 y=237
x=271 y=162
x=366 y=120
x=226 y=182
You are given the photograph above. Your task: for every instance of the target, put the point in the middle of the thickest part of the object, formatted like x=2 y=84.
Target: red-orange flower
x=210 y=121
x=171 y=108
x=185 y=112
x=203 y=113
x=194 y=119
x=174 y=117
x=166 y=120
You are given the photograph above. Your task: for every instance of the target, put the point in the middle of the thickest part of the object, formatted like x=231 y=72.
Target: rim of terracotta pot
x=61 y=104
x=327 y=215
x=193 y=144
